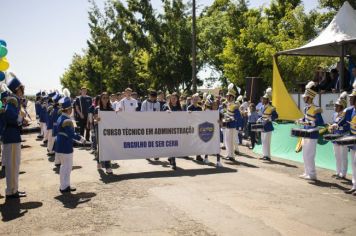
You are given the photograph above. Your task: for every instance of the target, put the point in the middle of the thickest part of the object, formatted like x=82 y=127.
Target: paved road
x=248 y=197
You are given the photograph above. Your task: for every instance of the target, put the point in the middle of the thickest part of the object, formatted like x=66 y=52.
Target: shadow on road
x=323 y=184
x=239 y=163
x=13 y=209
x=273 y=162
x=71 y=201
x=163 y=174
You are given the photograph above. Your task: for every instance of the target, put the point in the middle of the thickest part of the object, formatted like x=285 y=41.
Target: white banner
x=136 y=135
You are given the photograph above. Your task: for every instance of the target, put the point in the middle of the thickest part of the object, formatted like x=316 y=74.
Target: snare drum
x=257 y=128
x=303 y=133
x=331 y=137
x=346 y=141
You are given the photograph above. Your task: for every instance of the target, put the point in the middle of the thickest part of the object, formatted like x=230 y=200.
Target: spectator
x=352 y=79
x=252 y=119
x=82 y=104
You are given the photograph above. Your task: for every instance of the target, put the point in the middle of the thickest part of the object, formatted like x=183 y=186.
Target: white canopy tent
x=336 y=40
x=340 y=34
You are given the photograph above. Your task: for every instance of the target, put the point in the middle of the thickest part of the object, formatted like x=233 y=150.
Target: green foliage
x=132 y=45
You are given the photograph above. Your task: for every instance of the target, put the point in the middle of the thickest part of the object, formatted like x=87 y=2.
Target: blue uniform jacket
x=55 y=115
x=49 y=117
x=38 y=109
x=65 y=135
x=43 y=113
x=231 y=110
x=12 y=127
x=312 y=115
x=269 y=114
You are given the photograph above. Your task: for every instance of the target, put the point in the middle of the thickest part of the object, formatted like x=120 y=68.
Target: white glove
x=82 y=140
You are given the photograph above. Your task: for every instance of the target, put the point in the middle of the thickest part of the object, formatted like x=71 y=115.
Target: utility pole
x=194 y=53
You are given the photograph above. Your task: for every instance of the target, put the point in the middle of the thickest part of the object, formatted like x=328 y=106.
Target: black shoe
x=51 y=154
x=16 y=195
x=57 y=165
x=45 y=142
x=39 y=136
x=156 y=159
x=266 y=158
x=199 y=158
x=237 y=152
x=223 y=148
x=68 y=190
x=231 y=158
x=174 y=166
x=350 y=191
x=170 y=160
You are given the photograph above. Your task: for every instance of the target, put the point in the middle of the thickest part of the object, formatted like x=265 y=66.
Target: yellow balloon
x=4 y=64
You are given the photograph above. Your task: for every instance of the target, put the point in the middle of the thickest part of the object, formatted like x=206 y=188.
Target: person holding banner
x=269 y=114
x=212 y=105
x=195 y=107
x=64 y=144
x=104 y=105
x=151 y=104
x=311 y=120
x=340 y=127
x=173 y=105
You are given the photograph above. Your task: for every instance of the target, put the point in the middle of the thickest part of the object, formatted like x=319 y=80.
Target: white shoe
x=303 y=176
x=218 y=164
x=308 y=177
x=206 y=161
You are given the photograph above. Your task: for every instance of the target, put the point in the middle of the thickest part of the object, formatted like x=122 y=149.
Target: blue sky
x=43 y=35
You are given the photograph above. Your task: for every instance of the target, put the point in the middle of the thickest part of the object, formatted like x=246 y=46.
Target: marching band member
x=340 y=127
x=269 y=114
x=38 y=109
x=211 y=104
x=233 y=120
x=350 y=119
x=3 y=96
x=312 y=119
x=43 y=117
x=49 y=124
x=64 y=144
x=56 y=112
x=14 y=118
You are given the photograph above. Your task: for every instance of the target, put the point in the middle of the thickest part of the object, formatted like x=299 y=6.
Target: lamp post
x=194 y=73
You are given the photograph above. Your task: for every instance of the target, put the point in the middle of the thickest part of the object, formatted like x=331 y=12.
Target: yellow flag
x=284 y=103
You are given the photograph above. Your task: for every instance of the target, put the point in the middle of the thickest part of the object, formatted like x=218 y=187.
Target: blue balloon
x=2 y=76
x=3 y=42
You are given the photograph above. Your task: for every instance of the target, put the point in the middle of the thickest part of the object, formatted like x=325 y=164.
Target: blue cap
x=14 y=84
x=56 y=97
x=4 y=95
x=65 y=102
x=51 y=95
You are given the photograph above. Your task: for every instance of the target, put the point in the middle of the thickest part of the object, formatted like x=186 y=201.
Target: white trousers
x=353 y=163
x=309 y=151
x=50 y=140
x=266 y=138
x=66 y=168
x=44 y=130
x=341 y=159
x=230 y=141
x=12 y=156
x=2 y=155
x=57 y=161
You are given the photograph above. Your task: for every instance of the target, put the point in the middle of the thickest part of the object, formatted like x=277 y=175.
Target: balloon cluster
x=4 y=64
